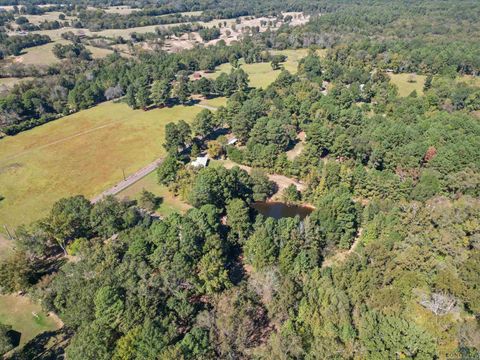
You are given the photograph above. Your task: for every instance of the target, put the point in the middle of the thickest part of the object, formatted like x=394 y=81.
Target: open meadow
x=84 y=153
x=407 y=83
x=169 y=203
x=43 y=55
x=262 y=74
x=25 y=317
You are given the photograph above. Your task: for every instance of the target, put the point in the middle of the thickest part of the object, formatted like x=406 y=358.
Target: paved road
x=130 y=180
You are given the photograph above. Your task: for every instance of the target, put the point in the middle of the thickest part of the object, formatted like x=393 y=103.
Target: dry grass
x=262 y=74
x=215 y=102
x=48 y=16
x=6 y=247
x=40 y=55
x=98 y=53
x=43 y=55
x=18 y=311
x=405 y=85
x=8 y=83
x=169 y=203
x=83 y=153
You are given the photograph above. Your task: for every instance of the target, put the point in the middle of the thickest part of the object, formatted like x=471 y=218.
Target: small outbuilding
x=201 y=161
x=232 y=141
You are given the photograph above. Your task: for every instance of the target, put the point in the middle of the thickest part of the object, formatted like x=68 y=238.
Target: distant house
x=197 y=75
x=232 y=141
x=201 y=161
x=81 y=34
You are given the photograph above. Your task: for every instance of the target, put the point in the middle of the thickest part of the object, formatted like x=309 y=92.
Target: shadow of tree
x=49 y=345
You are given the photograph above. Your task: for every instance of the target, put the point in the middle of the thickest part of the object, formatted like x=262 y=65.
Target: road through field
x=130 y=180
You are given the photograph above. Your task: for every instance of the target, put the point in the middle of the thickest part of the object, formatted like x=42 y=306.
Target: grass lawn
x=262 y=74
x=170 y=203
x=83 y=153
x=17 y=311
x=215 y=102
x=404 y=86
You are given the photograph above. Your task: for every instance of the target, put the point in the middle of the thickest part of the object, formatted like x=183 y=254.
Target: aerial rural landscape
x=185 y=179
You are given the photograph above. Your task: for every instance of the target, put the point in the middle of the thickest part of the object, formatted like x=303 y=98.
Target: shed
x=201 y=161
x=232 y=141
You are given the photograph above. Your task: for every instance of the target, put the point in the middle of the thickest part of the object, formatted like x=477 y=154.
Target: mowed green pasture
x=83 y=153
x=262 y=74
x=25 y=317
x=169 y=203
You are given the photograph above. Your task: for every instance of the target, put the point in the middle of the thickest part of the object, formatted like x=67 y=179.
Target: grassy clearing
x=83 y=153
x=98 y=53
x=10 y=82
x=48 y=16
x=215 y=102
x=262 y=74
x=470 y=80
x=18 y=311
x=405 y=87
x=40 y=55
x=170 y=203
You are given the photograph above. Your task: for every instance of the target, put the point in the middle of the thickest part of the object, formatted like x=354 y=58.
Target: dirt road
x=122 y=185
x=281 y=180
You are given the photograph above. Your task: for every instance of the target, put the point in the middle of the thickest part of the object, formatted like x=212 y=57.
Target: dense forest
x=387 y=264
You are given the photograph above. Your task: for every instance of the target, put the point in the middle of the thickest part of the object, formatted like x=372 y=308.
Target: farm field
x=40 y=55
x=404 y=86
x=18 y=311
x=169 y=204
x=262 y=74
x=43 y=55
x=48 y=16
x=55 y=34
x=83 y=153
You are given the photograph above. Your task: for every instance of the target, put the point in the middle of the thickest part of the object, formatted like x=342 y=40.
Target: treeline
x=13 y=45
x=209 y=34
x=96 y=20
x=391 y=147
x=428 y=37
x=78 y=84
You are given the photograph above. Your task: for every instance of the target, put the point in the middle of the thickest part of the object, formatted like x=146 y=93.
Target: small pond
x=280 y=210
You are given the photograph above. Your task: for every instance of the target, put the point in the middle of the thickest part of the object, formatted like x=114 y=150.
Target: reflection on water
x=280 y=210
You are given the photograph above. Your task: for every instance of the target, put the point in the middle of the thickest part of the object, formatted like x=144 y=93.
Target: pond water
x=280 y=210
